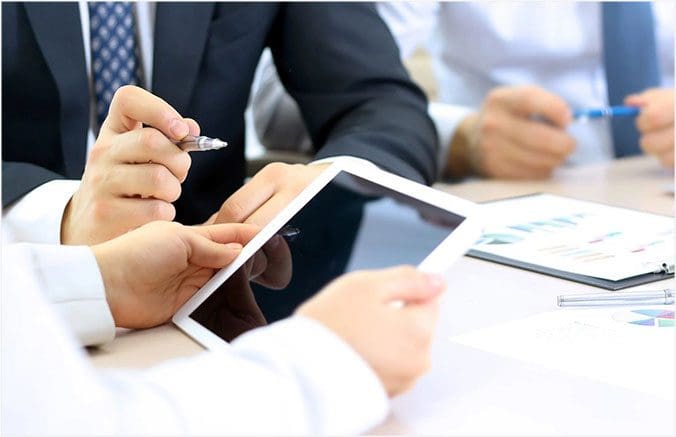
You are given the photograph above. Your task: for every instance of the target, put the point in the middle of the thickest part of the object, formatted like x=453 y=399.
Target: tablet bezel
x=438 y=261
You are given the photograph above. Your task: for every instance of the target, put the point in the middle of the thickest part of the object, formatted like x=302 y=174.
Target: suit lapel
x=59 y=34
x=180 y=37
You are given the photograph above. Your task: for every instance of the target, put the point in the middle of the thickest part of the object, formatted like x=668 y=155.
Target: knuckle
x=151 y=138
x=276 y=170
x=157 y=175
x=99 y=150
x=95 y=177
x=529 y=90
x=405 y=271
x=494 y=98
x=167 y=114
x=125 y=91
x=175 y=190
x=100 y=210
x=645 y=143
x=529 y=98
x=123 y=95
x=569 y=144
x=183 y=163
x=494 y=168
x=159 y=210
x=233 y=210
x=489 y=123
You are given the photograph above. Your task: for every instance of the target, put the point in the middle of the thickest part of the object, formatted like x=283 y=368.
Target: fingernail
x=236 y=247
x=435 y=280
x=179 y=129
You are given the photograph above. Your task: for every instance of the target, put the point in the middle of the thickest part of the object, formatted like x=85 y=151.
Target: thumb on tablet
x=410 y=285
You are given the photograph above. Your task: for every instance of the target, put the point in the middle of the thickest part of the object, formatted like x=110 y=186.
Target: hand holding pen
x=135 y=169
x=655 y=123
x=503 y=139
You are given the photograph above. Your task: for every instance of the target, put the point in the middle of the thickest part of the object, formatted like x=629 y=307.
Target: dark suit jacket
x=338 y=61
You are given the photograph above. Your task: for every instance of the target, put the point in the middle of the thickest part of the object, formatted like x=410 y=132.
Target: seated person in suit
x=328 y=369
x=199 y=60
x=510 y=77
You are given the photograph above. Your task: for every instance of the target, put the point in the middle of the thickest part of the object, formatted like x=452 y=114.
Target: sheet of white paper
x=631 y=347
x=578 y=237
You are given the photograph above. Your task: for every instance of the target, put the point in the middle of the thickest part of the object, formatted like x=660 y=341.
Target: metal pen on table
x=642 y=297
x=200 y=144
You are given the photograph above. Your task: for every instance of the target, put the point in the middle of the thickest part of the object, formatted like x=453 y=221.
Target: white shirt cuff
x=70 y=279
x=343 y=393
x=446 y=119
x=36 y=217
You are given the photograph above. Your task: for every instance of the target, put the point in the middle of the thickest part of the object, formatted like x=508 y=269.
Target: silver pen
x=200 y=144
x=643 y=297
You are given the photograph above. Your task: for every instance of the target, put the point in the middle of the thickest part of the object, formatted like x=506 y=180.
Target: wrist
x=459 y=163
x=65 y=221
x=110 y=274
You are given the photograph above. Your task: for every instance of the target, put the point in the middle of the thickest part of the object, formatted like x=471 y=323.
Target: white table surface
x=472 y=392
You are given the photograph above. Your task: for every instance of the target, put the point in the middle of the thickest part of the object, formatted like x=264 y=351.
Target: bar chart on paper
x=578 y=237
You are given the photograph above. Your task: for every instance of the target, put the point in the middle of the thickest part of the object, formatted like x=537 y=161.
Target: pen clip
x=666 y=269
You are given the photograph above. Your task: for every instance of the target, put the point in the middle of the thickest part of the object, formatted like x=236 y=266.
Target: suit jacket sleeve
x=19 y=178
x=341 y=64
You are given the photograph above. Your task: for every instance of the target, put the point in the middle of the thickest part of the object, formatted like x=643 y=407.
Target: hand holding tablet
x=395 y=341
x=334 y=232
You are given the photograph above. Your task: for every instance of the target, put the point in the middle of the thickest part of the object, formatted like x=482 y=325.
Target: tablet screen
x=351 y=224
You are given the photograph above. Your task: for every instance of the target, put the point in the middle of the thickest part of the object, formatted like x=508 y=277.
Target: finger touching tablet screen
x=350 y=218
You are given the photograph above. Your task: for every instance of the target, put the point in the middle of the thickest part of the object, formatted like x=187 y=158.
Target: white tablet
x=352 y=217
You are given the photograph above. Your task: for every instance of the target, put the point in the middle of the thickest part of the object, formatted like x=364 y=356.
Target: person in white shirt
x=326 y=370
x=509 y=77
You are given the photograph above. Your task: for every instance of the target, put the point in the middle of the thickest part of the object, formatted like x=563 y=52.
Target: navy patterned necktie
x=115 y=57
x=630 y=61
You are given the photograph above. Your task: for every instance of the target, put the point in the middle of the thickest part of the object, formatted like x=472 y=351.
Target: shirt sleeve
x=446 y=119
x=36 y=217
x=292 y=377
x=411 y=23
x=69 y=278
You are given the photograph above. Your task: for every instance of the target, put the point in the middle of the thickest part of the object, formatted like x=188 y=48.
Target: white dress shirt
x=36 y=217
x=477 y=46
x=292 y=377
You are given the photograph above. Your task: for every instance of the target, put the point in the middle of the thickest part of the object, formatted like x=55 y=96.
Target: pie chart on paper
x=656 y=318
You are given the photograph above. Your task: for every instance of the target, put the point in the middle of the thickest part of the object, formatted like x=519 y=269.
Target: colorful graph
x=575 y=253
x=550 y=225
x=605 y=237
x=655 y=318
x=499 y=239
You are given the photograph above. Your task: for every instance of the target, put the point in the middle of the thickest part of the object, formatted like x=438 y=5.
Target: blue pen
x=608 y=111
